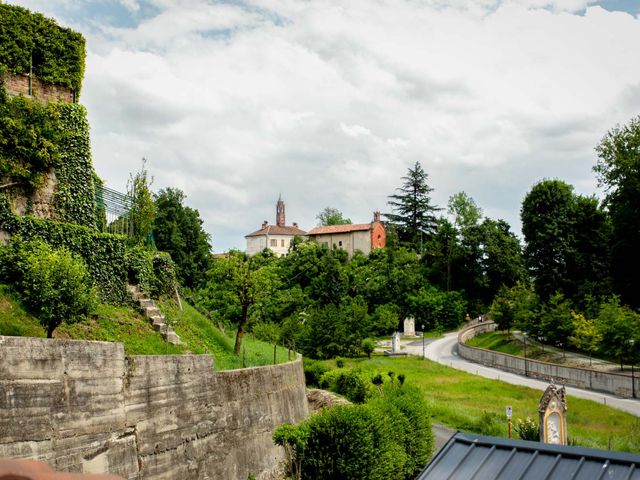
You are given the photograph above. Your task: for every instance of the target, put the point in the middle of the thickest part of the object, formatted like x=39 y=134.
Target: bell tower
x=280 y=212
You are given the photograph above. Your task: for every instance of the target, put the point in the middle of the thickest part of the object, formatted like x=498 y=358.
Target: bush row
x=106 y=255
x=387 y=438
x=30 y=41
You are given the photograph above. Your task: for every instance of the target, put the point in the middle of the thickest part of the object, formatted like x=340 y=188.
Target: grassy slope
x=499 y=342
x=126 y=325
x=475 y=404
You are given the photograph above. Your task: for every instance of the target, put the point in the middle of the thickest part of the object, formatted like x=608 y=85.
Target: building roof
x=331 y=229
x=276 y=230
x=467 y=456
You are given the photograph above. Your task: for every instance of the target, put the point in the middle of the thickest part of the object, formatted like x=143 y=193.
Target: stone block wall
x=608 y=382
x=19 y=84
x=85 y=407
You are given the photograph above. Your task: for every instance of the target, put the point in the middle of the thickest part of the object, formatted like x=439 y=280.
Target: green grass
x=499 y=342
x=125 y=324
x=202 y=336
x=474 y=404
x=14 y=320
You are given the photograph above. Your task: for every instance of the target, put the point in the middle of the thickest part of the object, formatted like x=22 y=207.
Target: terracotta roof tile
x=353 y=227
x=276 y=230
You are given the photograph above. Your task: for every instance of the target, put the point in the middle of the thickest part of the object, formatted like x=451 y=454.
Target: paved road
x=445 y=350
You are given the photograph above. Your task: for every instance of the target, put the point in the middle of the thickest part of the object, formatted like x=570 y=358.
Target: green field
x=474 y=404
x=127 y=325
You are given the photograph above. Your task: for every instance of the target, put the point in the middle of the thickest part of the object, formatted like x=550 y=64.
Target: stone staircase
x=153 y=313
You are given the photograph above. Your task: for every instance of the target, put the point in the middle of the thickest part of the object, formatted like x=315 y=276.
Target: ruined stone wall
x=85 y=407
x=19 y=84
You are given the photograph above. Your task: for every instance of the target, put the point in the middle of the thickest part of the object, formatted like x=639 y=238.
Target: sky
x=329 y=102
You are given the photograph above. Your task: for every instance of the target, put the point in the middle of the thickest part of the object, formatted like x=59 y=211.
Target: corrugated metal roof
x=477 y=457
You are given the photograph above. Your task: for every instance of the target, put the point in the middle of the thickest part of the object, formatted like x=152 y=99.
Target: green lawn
x=499 y=342
x=127 y=325
x=470 y=403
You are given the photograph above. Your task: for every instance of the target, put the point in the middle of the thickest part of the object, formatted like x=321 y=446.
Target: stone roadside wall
x=85 y=407
x=614 y=383
x=19 y=84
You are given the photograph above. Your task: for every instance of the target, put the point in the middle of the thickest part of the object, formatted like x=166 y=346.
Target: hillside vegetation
x=125 y=324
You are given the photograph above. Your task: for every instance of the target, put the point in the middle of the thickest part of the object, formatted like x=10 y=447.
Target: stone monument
x=410 y=327
x=553 y=415
x=395 y=346
x=395 y=343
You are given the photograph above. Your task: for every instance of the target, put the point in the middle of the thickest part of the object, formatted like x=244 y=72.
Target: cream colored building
x=358 y=236
x=276 y=238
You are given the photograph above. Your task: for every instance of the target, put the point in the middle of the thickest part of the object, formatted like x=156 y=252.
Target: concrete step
x=173 y=338
x=152 y=312
x=160 y=327
x=157 y=319
x=146 y=302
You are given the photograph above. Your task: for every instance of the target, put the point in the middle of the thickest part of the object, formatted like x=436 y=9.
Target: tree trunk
x=240 y=334
x=50 y=329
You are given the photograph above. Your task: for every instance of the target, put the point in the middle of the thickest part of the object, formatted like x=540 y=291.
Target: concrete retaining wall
x=614 y=383
x=85 y=407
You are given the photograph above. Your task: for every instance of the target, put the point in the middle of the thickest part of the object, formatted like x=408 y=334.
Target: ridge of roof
x=277 y=230
x=351 y=227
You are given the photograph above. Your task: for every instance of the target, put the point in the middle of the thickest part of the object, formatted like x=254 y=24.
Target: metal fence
x=116 y=208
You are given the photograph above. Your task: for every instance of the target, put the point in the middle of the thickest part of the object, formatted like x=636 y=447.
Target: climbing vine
x=32 y=42
x=103 y=253
x=36 y=138
x=30 y=137
x=75 y=194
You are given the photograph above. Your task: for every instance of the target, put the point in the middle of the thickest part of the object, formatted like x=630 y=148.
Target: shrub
x=407 y=408
x=313 y=372
x=368 y=346
x=527 y=429
x=103 y=254
x=53 y=283
x=350 y=442
x=353 y=384
x=267 y=332
x=151 y=270
x=339 y=362
x=389 y=437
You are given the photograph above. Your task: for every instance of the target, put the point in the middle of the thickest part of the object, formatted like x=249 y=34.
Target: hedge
x=103 y=253
x=389 y=437
x=32 y=41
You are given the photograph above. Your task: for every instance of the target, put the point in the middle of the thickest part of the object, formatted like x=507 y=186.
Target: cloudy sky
x=328 y=102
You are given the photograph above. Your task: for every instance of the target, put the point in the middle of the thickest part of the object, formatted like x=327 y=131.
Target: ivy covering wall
x=37 y=137
x=32 y=42
x=75 y=194
x=110 y=261
x=104 y=254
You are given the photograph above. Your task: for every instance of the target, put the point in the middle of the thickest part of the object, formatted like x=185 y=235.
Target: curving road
x=445 y=350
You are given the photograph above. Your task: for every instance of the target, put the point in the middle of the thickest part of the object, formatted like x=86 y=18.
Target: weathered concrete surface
x=85 y=407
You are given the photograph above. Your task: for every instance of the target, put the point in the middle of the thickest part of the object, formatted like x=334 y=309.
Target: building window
x=274 y=242
x=340 y=243
x=282 y=242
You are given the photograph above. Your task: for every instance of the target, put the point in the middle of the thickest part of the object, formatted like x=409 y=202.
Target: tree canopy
x=331 y=216
x=178 y=230
x=413 y=215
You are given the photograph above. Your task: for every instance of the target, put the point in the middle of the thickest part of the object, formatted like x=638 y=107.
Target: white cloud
x=329 y=102
x=355 y=130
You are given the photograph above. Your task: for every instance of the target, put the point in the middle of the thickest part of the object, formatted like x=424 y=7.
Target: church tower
x=280 y=213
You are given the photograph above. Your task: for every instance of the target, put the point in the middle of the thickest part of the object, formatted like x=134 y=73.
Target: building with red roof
x=276 y=238
x=356 y=236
